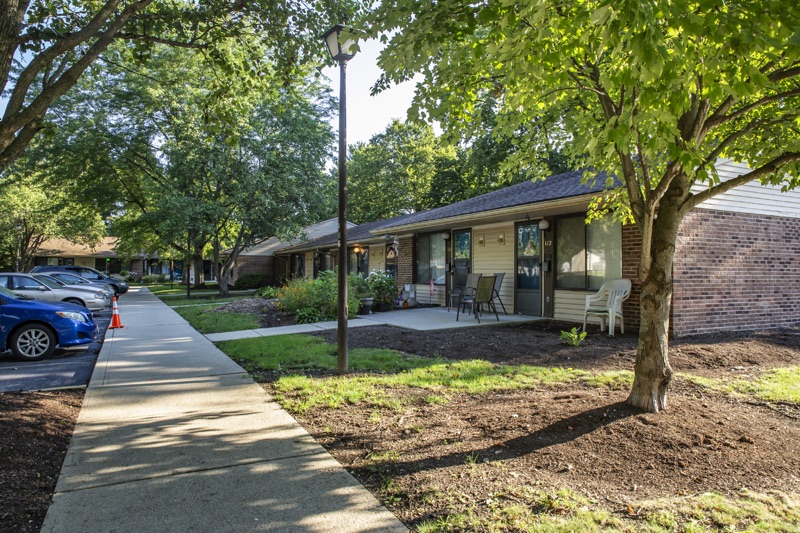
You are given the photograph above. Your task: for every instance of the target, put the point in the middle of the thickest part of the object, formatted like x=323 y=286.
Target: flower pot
x=366 y=305
x=382 y=307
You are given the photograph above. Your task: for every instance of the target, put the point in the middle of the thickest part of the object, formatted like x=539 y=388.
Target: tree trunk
x=652 y=372
x=199 y=274
x=222 y=278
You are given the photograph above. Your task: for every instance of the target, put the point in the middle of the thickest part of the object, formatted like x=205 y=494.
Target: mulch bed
x=586 y=439
x=35 y=430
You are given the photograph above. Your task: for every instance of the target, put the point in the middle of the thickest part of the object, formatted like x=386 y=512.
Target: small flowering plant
x=383 y=285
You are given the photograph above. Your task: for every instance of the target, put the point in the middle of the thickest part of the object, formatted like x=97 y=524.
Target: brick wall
x=631 y=250
x=270 y=266
x=736 y=271
x=405 y=261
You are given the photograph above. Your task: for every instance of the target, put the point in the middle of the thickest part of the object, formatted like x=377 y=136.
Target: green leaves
x=635 y=85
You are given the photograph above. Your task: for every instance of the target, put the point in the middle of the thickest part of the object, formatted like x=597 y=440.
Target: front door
x=462 y=256
x=528 y=286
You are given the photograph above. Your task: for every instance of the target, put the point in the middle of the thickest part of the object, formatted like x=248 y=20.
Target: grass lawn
x=200 y=298
x=175 y=288
x=199 y=312
x=388 y=386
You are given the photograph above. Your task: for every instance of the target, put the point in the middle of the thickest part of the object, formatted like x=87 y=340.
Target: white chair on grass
x=607 y=304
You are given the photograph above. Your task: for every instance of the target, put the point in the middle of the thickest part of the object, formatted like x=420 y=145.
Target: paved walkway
x=425 y=319
x=174 y=436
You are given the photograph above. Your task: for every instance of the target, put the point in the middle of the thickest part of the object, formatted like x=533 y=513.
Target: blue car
x=32 y=329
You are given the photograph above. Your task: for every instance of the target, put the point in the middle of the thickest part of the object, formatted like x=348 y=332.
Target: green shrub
x=153 y=278
x=295 y=295
x=307 y=315
x=252 y=281
x=267 y=292
x=320 y=294
x=383 y=285
x=358 y=285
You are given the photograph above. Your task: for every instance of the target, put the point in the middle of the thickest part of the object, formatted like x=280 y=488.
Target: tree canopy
x=163 y=165
x=46 y=45
x=33 y=209
x=392 y=173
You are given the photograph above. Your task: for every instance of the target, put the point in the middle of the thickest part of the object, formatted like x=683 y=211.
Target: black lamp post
x=20 y=249
x=188 y=268
x=341 y=42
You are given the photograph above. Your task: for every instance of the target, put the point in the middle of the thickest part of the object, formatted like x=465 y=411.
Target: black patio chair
x=498 y=282
x=483 y=296
x=465 y=297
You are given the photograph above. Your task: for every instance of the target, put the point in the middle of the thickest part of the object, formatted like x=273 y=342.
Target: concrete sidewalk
x=423 y=319
x=174 y=436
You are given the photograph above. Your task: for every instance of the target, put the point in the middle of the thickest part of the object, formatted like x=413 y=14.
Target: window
x=297 y=264
x=587 y=255
x=391 y=260
x=358 y=260
x=27 y=284
x=322 y=262
x=431 y=258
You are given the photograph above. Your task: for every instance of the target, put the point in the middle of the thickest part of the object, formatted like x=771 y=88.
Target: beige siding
x=495 y=257
x=424 y=294
x=309 y=266
x=752 y=198
x=569 y=306
x=377 y=258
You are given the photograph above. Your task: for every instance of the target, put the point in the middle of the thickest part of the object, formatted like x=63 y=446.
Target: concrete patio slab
x=424 y=319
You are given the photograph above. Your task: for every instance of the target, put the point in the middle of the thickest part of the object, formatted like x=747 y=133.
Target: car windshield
x=10 y=294
x=69 y=278
x=92 y=275
x=53 y=284
x=47 y=280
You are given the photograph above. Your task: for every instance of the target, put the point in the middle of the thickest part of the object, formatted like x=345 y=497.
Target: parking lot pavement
x=63 y=369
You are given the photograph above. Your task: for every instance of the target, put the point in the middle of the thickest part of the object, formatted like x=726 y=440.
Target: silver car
x=50 y=291
x=76 y=282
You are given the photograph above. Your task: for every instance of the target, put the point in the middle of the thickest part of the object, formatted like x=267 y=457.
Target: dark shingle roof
x=558 y=186
x=565 y=185
x=355 y=234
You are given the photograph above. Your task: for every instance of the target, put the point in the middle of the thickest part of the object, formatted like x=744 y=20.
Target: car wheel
x=33 y=342
x=75 y=301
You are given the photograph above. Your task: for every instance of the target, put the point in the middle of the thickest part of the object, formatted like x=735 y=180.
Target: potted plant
x=384 y=288
x=358 y=285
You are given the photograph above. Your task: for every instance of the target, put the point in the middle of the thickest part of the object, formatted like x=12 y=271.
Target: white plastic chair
x=607 y=304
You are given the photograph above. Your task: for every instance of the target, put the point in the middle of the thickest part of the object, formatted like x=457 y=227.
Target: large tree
x=392 y=173
x=34 y=209
x=654 y=92
x=181 y=167
x=46 y=45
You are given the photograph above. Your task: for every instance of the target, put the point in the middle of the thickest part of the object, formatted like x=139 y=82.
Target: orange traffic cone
x=115 y=322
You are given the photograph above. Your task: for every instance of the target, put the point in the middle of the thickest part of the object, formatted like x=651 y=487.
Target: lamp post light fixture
x=341 y=42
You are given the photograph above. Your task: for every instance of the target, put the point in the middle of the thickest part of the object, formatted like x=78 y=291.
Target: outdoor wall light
x=543 y=224
x=501 y=239
x=446 y=236
x=481 y=240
